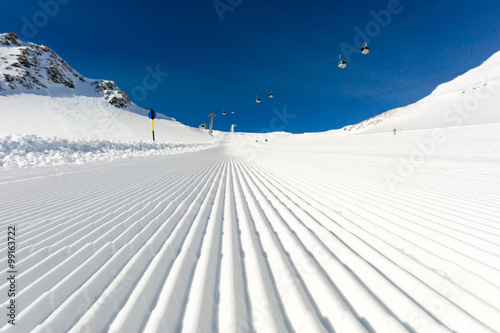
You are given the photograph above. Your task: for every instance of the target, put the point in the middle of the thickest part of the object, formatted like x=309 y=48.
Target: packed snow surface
x=305 y=233
x=22 y=151
x=352 y=230
x=41 y=94
x=83 y=118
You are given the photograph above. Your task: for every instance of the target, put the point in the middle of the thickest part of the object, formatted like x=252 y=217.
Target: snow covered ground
x=84 y=118
x=351 y=230
x=42 y=95
x=308 y=233
x=23 y=151
x=470 y=99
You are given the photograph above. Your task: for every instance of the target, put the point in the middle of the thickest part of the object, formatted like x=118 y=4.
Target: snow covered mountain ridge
x=36 y=69
x=42 y=95
x=469 y=99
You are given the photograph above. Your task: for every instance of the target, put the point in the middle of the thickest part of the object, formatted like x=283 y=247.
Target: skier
x=394 y=131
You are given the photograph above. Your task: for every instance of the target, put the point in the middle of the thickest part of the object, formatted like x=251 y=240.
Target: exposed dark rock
x=24 y=79
x=105 y=85
x=9 y=39
x=55 y=75
x=121 y=101
x=32 y=66
x=8 y=78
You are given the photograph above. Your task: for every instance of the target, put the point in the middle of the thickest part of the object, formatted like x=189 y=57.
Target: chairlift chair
x=271 y=94
x=365 y=49
x=342 y=63
x=232 y=111
x=257 y=100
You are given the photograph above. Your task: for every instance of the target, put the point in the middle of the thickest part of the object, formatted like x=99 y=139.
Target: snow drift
x=21 y=151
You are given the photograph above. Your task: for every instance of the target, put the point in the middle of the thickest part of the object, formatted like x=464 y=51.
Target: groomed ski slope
x=303 y=233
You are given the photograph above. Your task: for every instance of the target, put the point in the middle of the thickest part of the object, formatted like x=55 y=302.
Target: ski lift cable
x=415 y=17
x=429 y=9
x=385 y=93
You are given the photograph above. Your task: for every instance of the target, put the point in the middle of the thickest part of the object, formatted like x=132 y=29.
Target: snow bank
x=24 y=151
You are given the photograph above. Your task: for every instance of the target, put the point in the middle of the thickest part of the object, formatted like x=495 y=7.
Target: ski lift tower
x=211 y=116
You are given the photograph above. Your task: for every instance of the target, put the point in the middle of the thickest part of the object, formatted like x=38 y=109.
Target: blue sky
x=221 y=54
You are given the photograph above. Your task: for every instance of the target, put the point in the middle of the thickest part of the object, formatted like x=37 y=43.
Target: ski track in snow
x=223 y=242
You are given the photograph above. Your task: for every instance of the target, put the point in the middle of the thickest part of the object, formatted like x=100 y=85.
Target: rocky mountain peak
x=31 y=68
x=9 y=39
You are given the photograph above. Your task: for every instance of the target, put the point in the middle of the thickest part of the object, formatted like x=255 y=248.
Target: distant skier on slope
x=394 y=131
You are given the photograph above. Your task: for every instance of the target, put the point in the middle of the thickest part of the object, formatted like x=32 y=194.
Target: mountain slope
x=27 y=67
x=470 y=99
x=263 y=237
x=42 y=94
x=322 y=232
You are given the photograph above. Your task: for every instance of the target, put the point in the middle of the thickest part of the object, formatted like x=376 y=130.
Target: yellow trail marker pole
x=152 y=115
x=153 y=127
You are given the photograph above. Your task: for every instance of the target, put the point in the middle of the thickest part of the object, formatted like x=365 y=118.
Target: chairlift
x=271 y=94
x=342 y=63
x=365 y=49
x=257 y=100
x=232 y=111
x=223 y=112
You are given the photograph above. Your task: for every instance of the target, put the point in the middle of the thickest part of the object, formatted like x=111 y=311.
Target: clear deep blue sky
x=222 y=58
